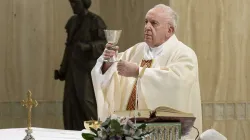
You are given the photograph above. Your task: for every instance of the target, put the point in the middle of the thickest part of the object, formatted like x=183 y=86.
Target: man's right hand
x=110 y=51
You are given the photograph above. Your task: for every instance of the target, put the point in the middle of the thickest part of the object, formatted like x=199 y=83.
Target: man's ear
x=171 y=30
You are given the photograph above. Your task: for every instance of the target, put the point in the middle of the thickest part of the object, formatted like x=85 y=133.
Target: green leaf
x=115 y=125
x=126 y=127
x=93 y=130
x=142 y=126
x=112 y=134
x=137 y=138
x=129 y=138
x=106 y=123
x=112 y=130
x=88 y=136
x=126 y=132
x=138 y=132
x=146 y=133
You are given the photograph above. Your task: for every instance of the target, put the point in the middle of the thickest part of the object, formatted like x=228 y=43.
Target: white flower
x=114 y=117
x=124 y=120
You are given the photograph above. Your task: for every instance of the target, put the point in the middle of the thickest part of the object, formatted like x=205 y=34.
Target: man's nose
x=147 y=26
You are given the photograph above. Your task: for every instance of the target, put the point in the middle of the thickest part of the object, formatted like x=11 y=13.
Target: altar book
x=161 y=115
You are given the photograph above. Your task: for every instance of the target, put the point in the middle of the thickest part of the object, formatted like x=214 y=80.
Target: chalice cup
x=112 y=37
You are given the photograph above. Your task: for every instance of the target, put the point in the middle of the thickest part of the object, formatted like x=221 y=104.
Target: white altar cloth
x=40 y=134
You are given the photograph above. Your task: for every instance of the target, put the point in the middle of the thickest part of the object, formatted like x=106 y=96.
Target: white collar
x=152 y=53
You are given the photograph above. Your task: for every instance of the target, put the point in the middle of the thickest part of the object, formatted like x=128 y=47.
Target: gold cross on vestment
x=29 y=103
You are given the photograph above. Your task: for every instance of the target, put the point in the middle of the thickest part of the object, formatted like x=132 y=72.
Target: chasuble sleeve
x=107 y=86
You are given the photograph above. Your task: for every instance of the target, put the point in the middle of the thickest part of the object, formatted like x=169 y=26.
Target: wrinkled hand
x=127 y=69
x=109 y=51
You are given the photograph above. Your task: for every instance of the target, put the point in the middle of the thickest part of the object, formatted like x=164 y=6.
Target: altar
x=40 y=134
x=163 y=127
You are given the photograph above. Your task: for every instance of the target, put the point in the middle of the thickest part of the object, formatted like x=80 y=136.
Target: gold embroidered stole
x=132 y=98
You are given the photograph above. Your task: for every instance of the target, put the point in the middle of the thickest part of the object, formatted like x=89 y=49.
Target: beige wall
x=32 y=40
x=219 y=32
x=32 y=43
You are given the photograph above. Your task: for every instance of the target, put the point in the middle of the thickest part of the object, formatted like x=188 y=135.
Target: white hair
x=171 y=13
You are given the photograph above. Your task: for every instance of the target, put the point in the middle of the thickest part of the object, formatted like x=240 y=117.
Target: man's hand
x=109 y=51
x=127 y=69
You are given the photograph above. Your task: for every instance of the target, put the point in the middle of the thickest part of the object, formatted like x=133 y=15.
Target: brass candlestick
x=29 y=103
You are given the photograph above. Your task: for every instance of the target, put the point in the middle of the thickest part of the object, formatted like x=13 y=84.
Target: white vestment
x=172 y=81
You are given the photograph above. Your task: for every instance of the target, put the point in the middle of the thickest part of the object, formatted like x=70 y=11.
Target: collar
x=152 y=53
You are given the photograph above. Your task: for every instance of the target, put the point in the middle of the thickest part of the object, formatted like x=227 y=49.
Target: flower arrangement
x=117 y=128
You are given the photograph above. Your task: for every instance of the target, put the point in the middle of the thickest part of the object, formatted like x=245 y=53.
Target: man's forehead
x=152 y=13
x=156 y=13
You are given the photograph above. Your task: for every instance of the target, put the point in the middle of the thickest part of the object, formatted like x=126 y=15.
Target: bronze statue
x=84 y=45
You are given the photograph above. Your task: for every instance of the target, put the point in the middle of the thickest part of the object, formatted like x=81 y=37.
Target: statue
x=84 y=45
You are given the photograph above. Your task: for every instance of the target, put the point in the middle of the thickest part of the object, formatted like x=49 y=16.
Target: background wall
x=219 y=32
x=32 y=40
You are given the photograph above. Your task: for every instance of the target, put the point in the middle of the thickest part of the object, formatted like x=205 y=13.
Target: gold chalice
x=92 y=123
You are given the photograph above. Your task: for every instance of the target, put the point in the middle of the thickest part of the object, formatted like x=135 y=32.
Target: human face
x=77 y=6
x=156 y=30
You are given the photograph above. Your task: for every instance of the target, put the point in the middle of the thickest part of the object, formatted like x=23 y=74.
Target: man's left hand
x=127 y=69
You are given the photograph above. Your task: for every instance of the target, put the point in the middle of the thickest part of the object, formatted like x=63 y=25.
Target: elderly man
x=167 y=68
